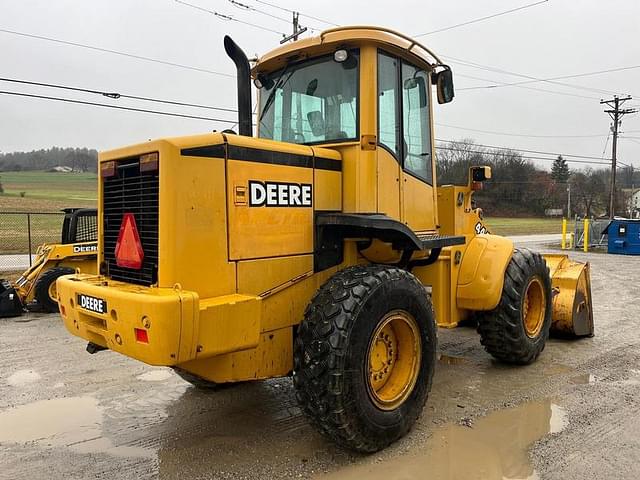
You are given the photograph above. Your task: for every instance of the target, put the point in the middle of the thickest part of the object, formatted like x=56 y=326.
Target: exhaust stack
x=243 y=77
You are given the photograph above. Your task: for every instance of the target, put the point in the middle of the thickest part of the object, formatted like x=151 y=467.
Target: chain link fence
x=22 y=232
x=596 y=237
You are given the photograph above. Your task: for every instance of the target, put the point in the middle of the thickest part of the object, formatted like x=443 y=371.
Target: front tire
x=516 y=331
x=364 y=356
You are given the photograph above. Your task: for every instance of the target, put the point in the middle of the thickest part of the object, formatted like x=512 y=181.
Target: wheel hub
x=393 y=360
x=534 y=308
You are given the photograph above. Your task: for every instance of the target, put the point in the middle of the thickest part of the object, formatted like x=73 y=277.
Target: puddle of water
x=74 y=422
x=451 y=360
x=493 y=448
x=23 y=377
x=155 y=376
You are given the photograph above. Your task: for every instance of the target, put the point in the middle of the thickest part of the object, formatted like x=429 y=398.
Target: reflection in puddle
x=155 y=375
x=23 y=377
x=450 y=360
x=74 y=422
x=496 y=447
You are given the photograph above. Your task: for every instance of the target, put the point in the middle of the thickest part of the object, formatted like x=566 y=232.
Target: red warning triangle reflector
x=129 y=251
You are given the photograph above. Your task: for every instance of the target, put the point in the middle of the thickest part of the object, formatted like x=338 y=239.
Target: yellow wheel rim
x=534 y=308
x=53 y=291
x=393 y=360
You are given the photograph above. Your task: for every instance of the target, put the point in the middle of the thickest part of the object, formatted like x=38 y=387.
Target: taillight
x=129 y=252
x=141 y=335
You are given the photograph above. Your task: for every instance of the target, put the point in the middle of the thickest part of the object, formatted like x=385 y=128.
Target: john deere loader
x=320 y=248
x=35 y=290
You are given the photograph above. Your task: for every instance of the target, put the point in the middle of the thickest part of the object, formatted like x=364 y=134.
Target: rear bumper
x=179 y=326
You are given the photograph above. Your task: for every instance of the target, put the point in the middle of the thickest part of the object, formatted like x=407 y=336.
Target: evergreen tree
x=560 y=170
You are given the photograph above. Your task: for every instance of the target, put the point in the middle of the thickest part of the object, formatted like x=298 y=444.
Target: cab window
x=415 y=122
x=403 y=115
x=315 y=101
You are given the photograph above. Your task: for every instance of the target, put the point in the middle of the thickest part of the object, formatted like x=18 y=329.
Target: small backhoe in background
x=321 y=248
x=35 y=290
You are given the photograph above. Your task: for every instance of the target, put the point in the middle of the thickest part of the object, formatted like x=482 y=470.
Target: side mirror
x=419 y=83
x=444 y=85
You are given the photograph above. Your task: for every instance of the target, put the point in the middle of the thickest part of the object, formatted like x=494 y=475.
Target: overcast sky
x=556 y=38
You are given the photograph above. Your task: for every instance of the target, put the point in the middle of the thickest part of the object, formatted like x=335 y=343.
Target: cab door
x=417 y=185
x=405 y=165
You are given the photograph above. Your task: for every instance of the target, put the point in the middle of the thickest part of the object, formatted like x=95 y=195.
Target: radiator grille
x=131 y=192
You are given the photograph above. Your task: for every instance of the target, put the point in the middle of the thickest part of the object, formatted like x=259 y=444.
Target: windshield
x=311 y=102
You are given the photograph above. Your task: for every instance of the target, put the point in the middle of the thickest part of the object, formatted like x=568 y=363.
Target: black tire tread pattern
x=321 y=348
x=41 y=292
x=502 y=330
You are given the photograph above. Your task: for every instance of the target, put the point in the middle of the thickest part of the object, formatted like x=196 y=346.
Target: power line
x=523 y=150
x=242 y=6
x=563 y=77
x=327 y=22
x=517 y=134
x=115 y=52
x=566 y=94
x=532 y=79
x=529 y=157
x=228 y=18
x=118 y=107
x=116 y=95
x=481 y=19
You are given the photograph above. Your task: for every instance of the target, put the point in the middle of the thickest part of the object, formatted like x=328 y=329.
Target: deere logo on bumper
x=92 y=304
x=279 y=194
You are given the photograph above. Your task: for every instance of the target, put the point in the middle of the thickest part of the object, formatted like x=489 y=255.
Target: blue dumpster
x=624 y=236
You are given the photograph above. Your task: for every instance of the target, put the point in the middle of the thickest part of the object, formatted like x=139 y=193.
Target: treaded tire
x=331 y=351
x=41 y=292
x=502 y=330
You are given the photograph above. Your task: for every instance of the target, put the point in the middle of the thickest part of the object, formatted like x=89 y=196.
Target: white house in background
x=634 y=203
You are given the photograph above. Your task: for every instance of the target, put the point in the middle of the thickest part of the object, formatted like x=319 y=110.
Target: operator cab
x=365 y=92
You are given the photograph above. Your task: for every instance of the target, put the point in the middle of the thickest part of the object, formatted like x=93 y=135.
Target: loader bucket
x=572 y=314
x=10 y=303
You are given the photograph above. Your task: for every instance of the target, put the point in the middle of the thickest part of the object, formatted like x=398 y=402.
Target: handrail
x=413 y=42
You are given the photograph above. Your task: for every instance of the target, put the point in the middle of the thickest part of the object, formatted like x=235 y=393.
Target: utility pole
x=616 y=115
x=568 y=199
x=297 y=29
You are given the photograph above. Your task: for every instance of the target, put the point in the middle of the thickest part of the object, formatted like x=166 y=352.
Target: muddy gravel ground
x=574 y=414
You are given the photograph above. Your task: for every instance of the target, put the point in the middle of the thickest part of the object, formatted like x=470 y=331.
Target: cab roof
x=348 y=36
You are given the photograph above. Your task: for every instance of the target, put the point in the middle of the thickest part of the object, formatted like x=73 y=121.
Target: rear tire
x=517 y=329
x=349 y=382
x=45 y=290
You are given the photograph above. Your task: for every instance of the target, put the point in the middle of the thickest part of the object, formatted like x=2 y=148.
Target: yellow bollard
x=563 y=244
x=585 y=245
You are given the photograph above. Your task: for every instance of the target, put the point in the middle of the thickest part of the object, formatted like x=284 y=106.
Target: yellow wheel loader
x=320 y=248
x=35 y=290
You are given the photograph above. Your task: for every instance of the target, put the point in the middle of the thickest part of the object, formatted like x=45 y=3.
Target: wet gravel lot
x=573 y=414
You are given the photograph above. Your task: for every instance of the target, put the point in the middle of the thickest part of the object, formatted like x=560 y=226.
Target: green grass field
x=525 y=226
x=47 y=191
x=44 y=192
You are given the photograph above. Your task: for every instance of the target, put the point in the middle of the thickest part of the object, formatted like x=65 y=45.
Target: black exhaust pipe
x=243 y=77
